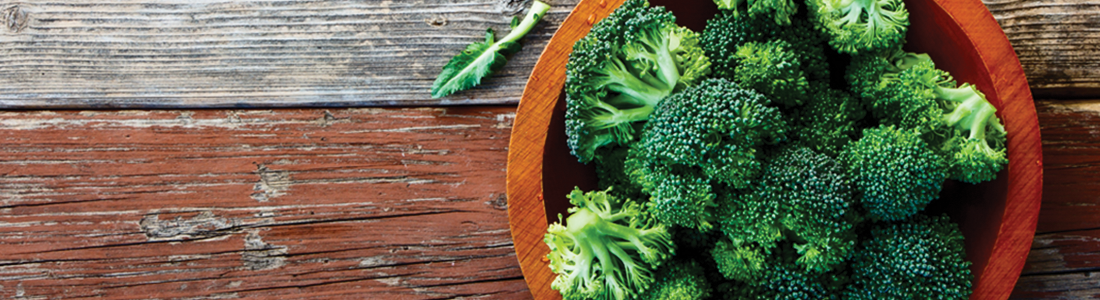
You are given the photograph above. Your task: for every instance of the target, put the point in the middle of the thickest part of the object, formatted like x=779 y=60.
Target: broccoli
x=740 y=260
x=973 y=138
x=829 y=122
x=772 y=69
x=780 y=10
x=608 y=250
x=916 y=259
x=858 y=26
x=802 y=197
x=726 y=33
x=894 y=171
x=679 y=279
x=617 y=74
x=704 y=135
x=613 y=173
x=957 y=121
x=779 y=277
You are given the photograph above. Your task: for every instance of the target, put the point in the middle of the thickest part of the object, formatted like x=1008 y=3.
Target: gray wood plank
x=224 y=53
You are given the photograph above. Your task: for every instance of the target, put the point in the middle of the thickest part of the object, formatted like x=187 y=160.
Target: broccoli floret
x=958 y=121
x=774 y=69
x=858 y=26
x=679 y=279
x=608 y=250
x=803 y=197
x=617 y=74
x=740 y=260
x=829 y=121
x=917 y=259
x=704 y=135
x=612 y=172
x=973 y=140
x=779 y=10
x=870 y=74
x=726 y=32
x=895 y=173
x=779 y=277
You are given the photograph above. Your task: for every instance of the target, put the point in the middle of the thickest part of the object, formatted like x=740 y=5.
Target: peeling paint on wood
x=358 y=204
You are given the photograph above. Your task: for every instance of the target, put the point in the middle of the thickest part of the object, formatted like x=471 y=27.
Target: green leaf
x=480 y=59
x=466 y=69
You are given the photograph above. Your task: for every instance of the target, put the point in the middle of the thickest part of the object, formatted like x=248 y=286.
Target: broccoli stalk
x=979 y=155
x=608 y=248
x=617 y=74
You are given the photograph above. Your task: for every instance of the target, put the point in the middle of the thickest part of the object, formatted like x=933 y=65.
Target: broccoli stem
x=621 y=80
x=972 y=112
x=617 y=117
x=534 y=14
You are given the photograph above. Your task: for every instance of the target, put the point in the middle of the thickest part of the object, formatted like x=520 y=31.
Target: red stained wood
x=351 y=203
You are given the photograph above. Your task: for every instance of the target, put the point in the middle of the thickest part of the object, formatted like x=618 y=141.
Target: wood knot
x=15 y=18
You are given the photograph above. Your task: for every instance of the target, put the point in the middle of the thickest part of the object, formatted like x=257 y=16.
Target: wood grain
x=334 y=204
x=1065 y=253
x=250 y=53
x=1057 y=42
x=153 y=53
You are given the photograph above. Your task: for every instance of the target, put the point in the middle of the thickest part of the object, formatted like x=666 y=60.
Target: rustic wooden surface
x=248 y=53
x=351 y=203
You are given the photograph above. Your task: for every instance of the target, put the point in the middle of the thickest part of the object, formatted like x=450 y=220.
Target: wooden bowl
x=997 y=218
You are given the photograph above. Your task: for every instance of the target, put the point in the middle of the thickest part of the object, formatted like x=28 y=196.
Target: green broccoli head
x=725 y=32
x=803 y=197
x=617 y=74
x=831 y=120
x=613 y=172
x=774 y=69
x=976 y=151
x=777 y=276
x=679 y=279
x=915 y=259
x=706 y=134
x=895 y=172
x=780 y=11
x=872 y=77
x=958 y=121
x=858 y=26
x=608 y=248
x=739 y=260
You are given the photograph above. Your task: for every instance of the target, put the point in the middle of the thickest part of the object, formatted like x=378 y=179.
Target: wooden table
x=368 y=203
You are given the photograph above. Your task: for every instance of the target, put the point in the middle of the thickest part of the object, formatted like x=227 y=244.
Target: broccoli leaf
x=466 y=69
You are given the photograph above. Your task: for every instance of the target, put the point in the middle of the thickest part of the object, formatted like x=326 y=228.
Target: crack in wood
x=259 y=255
x=203 y=226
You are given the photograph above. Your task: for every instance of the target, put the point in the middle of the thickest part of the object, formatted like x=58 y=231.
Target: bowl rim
x=1018 y=222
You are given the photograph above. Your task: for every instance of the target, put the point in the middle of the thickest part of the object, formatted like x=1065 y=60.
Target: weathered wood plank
x=353 y=203
x=1065 y=254
x=233 y=53
x=1057 y=42
x=1071 y=171
x=224 y=53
